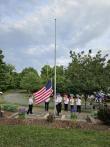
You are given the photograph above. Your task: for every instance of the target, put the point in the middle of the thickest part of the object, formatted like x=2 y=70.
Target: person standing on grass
x=30 y=102
x=72 y=101
x=47 y=104
x=58 y=104
x=78 y=103
x=66 y=102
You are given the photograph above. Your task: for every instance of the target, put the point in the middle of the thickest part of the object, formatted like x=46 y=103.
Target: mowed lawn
x=33 y=136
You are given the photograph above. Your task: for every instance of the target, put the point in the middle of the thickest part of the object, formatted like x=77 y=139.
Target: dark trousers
x=66 y=107
x=71 y=109
x=1 y=114
x=46 y=106
x=79 y=108
x=58 y=107
x=30 y=109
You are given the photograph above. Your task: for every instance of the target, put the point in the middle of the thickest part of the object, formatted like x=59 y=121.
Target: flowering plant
x=21 y=112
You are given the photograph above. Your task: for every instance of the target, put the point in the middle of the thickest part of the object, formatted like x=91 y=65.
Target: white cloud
x=39 y=50
x=27 y=28
x=63 y=61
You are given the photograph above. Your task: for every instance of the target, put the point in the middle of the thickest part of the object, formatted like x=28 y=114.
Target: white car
x=1 y=92
x=108 y=94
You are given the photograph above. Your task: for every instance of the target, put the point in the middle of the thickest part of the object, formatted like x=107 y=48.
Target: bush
x=73 y=116
x=104 y=115
x=94 y=114
x=107 y=100
x=50 y=117
x=9 y=107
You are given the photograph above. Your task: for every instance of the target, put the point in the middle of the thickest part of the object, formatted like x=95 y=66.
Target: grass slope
x=33 y=136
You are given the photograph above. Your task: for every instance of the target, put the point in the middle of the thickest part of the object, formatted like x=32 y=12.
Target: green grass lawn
x=33 y=136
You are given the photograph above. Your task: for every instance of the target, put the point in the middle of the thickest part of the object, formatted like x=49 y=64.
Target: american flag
x=43 y=94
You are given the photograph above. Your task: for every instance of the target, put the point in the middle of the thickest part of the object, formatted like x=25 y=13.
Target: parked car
x=1 y=92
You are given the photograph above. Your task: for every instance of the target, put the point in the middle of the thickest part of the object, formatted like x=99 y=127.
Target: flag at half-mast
x=43 y=94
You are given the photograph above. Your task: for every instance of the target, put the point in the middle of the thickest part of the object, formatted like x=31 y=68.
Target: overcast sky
x=27 y=30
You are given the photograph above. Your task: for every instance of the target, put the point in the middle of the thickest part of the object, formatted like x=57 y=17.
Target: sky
x=27 y=30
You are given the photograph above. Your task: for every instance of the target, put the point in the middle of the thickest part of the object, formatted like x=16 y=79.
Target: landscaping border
x=55 y=124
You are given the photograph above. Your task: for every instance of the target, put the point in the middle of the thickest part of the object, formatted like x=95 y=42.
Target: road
x=15 y=98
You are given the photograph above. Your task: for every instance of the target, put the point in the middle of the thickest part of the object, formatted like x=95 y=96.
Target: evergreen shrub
x=104 y=115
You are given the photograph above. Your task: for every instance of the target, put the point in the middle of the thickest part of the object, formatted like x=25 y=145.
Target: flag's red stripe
x=43 y=98
x=37 y=95
x=43 y=95
x=39 y=91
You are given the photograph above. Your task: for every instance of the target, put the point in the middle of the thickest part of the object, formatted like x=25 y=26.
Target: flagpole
x=55 y=73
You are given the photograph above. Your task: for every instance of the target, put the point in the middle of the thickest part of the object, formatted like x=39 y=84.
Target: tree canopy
x=85 y=74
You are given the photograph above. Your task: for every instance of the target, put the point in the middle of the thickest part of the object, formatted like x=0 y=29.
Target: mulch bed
x=55 y=124
x=7 y=114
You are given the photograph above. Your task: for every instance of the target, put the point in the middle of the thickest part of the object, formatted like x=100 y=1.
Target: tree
x=27 y=70
x=3 y=77
x=60 y=80
x=30 y=82
x=107 y=77
x=11 y=77
x=87 y=73
x=46 y=74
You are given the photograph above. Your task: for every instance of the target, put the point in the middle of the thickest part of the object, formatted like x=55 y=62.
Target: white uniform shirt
x=71 y=101
x=66 y=100
x=30 y=101
x=58 y=99
x=78 y=102
x=47 y=100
